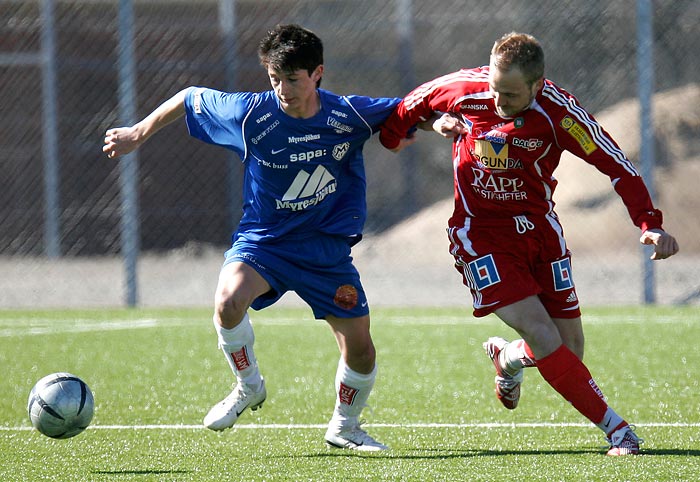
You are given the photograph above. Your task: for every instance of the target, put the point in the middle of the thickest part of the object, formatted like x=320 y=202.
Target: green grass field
x=155 y=373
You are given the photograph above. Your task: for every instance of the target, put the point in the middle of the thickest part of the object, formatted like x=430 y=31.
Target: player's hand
x=120 y=141
x=665 y=245
x=450 y=126
x=405 y=142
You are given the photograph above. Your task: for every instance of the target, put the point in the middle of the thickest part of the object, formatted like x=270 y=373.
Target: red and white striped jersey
x=505 y=166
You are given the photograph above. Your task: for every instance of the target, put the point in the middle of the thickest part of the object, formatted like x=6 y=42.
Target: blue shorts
x=318 y=269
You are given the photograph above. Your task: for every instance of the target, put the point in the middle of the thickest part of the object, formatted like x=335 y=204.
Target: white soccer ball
x=60 y=405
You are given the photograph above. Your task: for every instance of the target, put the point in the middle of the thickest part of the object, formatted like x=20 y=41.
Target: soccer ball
x=60 y=405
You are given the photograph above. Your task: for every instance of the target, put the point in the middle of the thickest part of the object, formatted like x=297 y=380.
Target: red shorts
x=506 y=260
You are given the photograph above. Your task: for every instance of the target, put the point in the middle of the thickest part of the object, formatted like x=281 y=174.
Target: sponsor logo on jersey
x=339 y=114
x=339 y=126
x=529 y=144
x=308 y=189
x=306 y=138
x=263 y=118
x=307 y=156
x=271 y=165
x=197 y=101
x=578 y=133
x=267 y=130
x=496 y=136
x=339 y=150
x=494 y=155
x=497 y=188
x=483 y=272
x=473 y=107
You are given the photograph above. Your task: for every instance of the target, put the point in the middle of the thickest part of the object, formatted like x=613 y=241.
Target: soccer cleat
x=224 y=414
x=624 y=442
x=507 y=386
x=353 y=438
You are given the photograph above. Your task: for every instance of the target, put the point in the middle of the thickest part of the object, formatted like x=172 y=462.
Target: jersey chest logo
x=494 y=155
x=308 y=190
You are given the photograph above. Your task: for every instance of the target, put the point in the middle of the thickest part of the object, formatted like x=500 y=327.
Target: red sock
x=570 y=377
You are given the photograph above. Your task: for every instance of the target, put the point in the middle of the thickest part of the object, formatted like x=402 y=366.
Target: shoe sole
x=359 y=448
x=622 y=452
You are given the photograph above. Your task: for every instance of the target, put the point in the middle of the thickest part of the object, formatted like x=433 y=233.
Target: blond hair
x=522 y=51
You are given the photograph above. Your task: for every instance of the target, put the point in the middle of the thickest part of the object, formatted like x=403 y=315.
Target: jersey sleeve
x=578 y=132
x=373 y=111
x=419 y=105
x=217 y=117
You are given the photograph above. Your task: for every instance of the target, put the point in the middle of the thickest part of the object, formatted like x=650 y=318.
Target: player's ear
x=537 y=86
x=317 y=74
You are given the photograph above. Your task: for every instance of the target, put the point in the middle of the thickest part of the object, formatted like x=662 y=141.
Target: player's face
x=296 y=90
x=512 y=94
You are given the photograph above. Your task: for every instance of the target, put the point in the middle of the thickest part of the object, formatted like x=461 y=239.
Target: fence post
x=407 y=157
x=52 y=242
x=128 y=176
x=645 y=73
x=227 y=25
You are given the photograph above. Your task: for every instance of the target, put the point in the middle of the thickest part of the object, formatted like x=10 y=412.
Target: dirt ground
x=408 y=266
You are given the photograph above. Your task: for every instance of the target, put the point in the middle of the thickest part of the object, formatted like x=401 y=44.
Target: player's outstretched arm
x=447 y=125
x=665 y=245
x=123 y=140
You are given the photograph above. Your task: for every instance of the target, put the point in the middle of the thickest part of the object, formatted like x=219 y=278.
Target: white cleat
x=224 y=414
x=353 y=438
x=624 y=442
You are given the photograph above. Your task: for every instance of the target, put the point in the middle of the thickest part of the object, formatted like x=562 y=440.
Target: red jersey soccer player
x=510 y=126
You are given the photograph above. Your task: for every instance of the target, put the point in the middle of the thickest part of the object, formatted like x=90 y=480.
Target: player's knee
x=229 y=308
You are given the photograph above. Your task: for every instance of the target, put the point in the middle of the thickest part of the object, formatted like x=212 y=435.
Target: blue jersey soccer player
x=303 y=209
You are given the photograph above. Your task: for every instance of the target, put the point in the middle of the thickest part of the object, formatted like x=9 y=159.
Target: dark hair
x=288 y=48
x=522 y=51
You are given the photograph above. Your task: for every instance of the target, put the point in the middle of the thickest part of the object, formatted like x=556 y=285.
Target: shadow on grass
x=442 y=454
x=666 y=452
x=140 y=472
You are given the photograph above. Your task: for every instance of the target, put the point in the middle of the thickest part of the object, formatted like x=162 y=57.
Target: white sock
x=515 y=357
x=237 y=345
x=611 y=422
x=352 y=390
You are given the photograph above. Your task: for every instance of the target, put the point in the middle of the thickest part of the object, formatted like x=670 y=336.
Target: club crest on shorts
x=346 y=297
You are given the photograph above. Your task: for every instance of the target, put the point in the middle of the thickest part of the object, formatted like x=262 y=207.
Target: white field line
x=255 y=426
x=45 y=327
x=19 y=327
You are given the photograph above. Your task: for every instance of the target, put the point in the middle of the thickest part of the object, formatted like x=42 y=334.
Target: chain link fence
x=64 y=80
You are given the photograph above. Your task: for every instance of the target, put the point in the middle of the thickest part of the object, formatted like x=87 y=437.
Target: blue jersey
x=302 y=176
